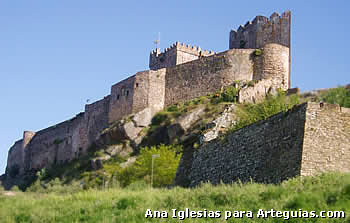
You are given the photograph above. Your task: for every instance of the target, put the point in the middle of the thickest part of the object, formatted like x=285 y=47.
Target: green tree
x=165 y=165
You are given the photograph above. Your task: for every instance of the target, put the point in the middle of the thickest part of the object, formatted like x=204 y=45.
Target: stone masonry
x=180 y=73
x=310 y=138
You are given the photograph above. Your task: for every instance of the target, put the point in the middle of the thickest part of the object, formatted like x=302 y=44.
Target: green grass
x=322 y=193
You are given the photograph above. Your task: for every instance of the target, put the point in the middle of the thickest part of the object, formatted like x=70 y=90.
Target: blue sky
x=54 y=55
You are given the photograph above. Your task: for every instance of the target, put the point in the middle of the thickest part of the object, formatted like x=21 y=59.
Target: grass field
x=328 y=192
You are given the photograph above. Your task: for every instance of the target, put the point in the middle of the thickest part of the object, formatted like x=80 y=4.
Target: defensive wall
x=188 y=72
x=310 y=138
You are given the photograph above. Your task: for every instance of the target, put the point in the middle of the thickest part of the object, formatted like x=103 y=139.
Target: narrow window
x=118 y=97
x=137 y=84
x=127 y=92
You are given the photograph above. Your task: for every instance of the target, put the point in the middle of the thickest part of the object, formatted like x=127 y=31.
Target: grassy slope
x=325 y=192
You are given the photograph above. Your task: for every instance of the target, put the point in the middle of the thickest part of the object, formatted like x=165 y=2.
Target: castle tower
x=261 y=31
x=176 y=54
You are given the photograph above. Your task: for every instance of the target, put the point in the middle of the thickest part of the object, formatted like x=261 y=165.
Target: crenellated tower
x=261 y=31
x=176 y=54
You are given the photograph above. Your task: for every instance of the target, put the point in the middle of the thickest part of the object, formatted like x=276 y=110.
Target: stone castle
x=259 y=51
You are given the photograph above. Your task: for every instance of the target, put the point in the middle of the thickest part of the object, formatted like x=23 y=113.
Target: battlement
x=177 y=53
x=262 y=30
x=183 y=47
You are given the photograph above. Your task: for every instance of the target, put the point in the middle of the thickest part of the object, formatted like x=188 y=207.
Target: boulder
x=143 y=118
x=114 y=149
x=130 y=130
x=186 y=121
x=126 y=151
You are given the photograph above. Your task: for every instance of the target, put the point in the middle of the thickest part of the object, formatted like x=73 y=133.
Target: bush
x=15 y=189
x=250 y=113
x=230 y=94
x=339 y=95
x=173 y=108
x=54 y=186
x=258 y=52
x=160 y=118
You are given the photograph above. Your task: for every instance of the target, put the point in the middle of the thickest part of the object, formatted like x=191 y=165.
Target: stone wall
x=96 y=119
x=275 y=65
x=207 y=75
x=156 y=94
x=327 y=139
x=267 y=151
x=17 y=153
x=144 y=89
x=56 y=144
x=158 y=60
x=309 y=139
x=121 y=101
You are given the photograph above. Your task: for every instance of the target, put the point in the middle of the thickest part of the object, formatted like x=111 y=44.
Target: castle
x=259 y=51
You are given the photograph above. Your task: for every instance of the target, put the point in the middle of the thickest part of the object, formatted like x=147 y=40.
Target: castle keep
x=179 y=73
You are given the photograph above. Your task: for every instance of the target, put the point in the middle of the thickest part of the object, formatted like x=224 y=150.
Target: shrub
x=173 y=108
x=138 y=185
x=15 y=189
x=258 y=52
x=230 y=94
x=250 y=113
x=339 y=95
x=160 y=118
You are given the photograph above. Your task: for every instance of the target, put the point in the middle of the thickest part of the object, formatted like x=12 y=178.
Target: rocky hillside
x=123 y=152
